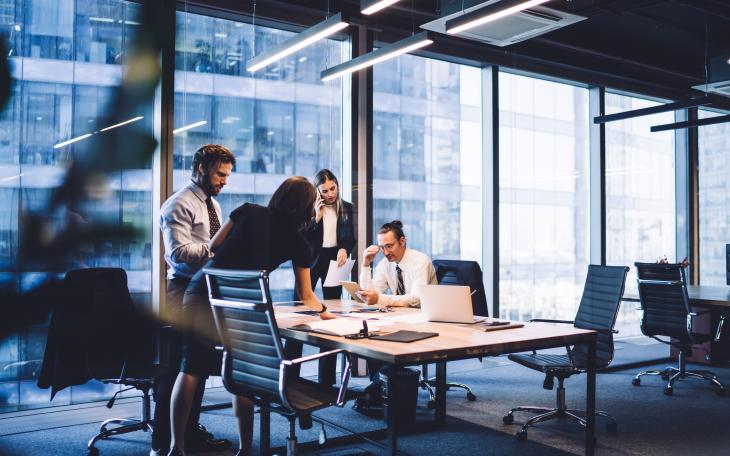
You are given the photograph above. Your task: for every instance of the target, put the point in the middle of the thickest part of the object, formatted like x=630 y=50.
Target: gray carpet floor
x=693 y=421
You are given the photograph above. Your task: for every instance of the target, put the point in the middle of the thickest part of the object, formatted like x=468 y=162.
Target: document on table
x=335 y=274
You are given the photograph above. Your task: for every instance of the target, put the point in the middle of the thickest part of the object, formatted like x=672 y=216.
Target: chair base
x=430 y=384
x=559 y=412
x=125 y=425
x=672 y=374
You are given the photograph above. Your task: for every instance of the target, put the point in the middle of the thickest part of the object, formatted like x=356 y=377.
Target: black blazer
x=345 y=231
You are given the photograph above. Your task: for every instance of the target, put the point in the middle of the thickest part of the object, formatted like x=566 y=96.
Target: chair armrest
x=287 y=363
x=305 y=359
x=545 y=320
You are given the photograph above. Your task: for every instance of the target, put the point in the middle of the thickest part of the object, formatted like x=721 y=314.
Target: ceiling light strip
x=369 y=7
x=298 y=42
x=691 y=123
x=684 y=104
x=189 y=127
x=489 y=13
x=404 y=46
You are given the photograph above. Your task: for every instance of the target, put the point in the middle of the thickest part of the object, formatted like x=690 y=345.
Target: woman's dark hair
x=294 y=199
x=322 y=176
x=396 y=226
x=211 y=156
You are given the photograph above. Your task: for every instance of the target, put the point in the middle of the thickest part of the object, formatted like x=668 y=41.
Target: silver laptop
x=446 y=303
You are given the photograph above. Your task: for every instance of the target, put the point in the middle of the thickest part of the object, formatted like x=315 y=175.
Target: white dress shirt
x=417 y=270
x=329 y=225
x=185 y=226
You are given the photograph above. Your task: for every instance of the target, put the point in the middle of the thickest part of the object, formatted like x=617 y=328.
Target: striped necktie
x=215 y=224
x=401 y=285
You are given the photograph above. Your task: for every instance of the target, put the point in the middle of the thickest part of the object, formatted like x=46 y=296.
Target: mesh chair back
x=663 y=295
x=458 y=272
x=598 y=310
x=244 y=316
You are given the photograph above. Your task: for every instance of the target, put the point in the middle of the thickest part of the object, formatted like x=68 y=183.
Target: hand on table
x=369 y=296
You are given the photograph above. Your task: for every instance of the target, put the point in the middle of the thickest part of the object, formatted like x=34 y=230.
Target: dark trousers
x=164 y=384
x=319 y=272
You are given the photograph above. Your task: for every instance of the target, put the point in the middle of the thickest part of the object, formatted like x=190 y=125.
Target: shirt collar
x=197 y=190
x=404 y=260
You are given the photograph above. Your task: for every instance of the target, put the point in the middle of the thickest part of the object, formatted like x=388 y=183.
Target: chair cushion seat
x=305 y=395
x=544 y=362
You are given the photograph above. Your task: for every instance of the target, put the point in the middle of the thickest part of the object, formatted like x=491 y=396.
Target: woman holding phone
x=332 y=230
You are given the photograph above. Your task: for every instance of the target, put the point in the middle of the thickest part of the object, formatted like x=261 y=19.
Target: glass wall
x=280 y=121
x=427 y=154
x=640 y=195
x=543 y=197
x=66 y=57
x=714 y=199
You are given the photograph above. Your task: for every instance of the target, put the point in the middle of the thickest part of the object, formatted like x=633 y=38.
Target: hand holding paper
x=335 y=273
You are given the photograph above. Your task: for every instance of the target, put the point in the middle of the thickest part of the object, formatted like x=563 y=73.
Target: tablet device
x=352 y=288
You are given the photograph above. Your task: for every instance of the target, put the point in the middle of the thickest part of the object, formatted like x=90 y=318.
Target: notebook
x=334 y=327
x=404 y=336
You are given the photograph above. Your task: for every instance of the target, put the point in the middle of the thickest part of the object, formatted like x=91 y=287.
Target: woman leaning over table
x=254 y=237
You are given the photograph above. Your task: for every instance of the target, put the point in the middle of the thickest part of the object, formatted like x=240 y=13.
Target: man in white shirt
x=402 y=271
x=188 y=220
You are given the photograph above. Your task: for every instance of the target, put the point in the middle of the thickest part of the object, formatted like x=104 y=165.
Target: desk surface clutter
x=454 y=340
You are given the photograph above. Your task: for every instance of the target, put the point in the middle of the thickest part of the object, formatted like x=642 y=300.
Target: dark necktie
x=401 y=285
x=215 y=224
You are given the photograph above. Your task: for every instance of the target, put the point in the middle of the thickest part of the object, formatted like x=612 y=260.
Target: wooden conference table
x=454 y=342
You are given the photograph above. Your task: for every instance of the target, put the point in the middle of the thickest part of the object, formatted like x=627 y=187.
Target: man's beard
x=207 y=186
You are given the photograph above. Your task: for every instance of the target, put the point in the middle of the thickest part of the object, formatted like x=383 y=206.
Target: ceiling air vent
x=507 y=30
x=718 y=77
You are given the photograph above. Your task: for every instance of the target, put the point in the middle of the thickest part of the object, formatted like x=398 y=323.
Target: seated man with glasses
x=401 y=272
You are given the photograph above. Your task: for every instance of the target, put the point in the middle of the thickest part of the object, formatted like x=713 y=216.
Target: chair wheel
x=508 y=419
x=471 y=397
x=611 y=427
x=668 y=390
x=431 y=405
x=521 y=435
x=636 y=381
x=93 y=451
x=720 y=391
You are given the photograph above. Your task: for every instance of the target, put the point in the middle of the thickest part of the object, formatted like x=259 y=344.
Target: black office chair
x=458 y=272
x=663 y=295
x=253 y=358
x=597 y=311
x=96 y=332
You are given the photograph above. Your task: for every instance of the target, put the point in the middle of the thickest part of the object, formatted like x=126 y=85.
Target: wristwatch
x=324 y=308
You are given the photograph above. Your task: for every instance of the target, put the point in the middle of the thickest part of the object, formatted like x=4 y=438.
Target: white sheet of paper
x=335 y=274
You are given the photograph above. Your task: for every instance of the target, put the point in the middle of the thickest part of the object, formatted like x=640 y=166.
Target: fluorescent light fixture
x=369 y=7
x=489 y=13
x=684 y=104
x=101 y=19
x=403 y=46
x=122 y=123
x=691 y=123
x=298 y=42
x=72 y=140
x=188 y=127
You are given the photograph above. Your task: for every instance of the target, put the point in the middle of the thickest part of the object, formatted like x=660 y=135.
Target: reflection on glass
x=640 y=195
x=544 y=200
x=280 y=121
x=714 y=204
x=427 y=154
x=66 y=57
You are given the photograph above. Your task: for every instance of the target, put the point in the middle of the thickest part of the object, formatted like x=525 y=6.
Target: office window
x=280 y=121
x=640 y=195
x=66 y=57
x=543 y=197
x=427 y=151
x=714 y=205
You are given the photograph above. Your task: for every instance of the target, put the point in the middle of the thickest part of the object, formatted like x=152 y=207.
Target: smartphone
x=495 y=323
